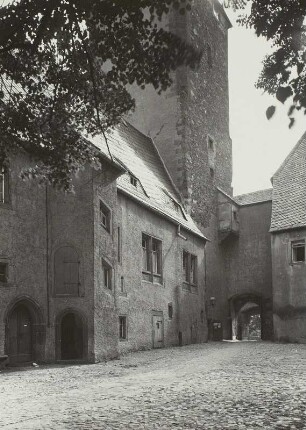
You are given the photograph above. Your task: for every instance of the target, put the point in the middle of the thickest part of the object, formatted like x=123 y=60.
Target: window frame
x=106 y=211
x=153 y=271
x=133 y=180
x=123 y=334
x=295 y=244
x=190 y=282
x=107 y=269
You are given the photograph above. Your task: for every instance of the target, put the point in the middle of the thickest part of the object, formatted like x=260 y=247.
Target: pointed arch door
x=20 y=335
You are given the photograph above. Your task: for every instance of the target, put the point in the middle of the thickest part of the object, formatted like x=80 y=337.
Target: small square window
x=3 y=272
x=107 y=275
x=122 y=328
x=298 y=251
x=105 y=216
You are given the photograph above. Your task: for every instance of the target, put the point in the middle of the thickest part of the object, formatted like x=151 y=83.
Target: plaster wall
x=141 y=297
x=248 y=262
x=289 y=286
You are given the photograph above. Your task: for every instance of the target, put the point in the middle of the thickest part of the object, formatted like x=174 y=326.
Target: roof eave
x=161 y=213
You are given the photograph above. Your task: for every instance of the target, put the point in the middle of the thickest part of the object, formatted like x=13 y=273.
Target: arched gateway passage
x=246 y=316
x=72 y=337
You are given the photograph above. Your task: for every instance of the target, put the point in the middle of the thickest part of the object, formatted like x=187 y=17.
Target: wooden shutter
x=67 y=271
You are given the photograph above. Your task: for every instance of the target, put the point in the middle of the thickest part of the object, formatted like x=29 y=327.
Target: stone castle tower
x=190 y=122
x=190 y=127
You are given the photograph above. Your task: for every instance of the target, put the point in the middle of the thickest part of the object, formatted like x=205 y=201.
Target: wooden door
x=20 y=335
x=71 y=337
x=158 y=331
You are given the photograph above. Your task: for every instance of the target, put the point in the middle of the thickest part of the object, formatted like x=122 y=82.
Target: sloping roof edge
x=161 y=213
x=228 y=196
x=299 y=142
x=260 y=200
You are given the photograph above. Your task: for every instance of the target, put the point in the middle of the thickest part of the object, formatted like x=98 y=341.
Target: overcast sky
x=259 y=145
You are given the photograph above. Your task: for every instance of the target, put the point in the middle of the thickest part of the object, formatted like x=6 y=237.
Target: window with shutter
x=67 y=276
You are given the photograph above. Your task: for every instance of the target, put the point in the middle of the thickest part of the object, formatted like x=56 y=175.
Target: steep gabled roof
x=153 y=186
x=254 y=197
x=289 y=190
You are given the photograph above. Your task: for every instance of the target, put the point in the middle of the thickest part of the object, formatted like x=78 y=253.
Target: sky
x=259 y=145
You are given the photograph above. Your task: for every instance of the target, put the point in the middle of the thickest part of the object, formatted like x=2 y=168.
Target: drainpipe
x=179 y=232
x=47 y=257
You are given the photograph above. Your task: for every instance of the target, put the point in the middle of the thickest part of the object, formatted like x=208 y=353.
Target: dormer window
x=133 y=180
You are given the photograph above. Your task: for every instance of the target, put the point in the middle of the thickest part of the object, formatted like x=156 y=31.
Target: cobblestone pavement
x=245 y=385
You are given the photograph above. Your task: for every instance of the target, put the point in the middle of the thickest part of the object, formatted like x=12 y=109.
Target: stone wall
x=23 y=248
x=195 y=107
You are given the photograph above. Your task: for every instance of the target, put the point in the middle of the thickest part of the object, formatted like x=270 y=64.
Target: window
x=66 y=271
x=122 y=328
x=170 y=311
x=212 y=172
x=105 y=216
x=4 y=197
x=298 y=251
x=151 y=258
x=133 y=180
x=190 y=270
x=210 y=143
x=122 y=285
x=3 y=272
x=107 y=275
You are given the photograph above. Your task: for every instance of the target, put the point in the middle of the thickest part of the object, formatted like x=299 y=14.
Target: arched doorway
x=246 y=316
x=20 y=334
x=72 y=337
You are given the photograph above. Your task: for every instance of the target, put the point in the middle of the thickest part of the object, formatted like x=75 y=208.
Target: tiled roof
x=289 y=190
x=255 y=197
x=154 y=187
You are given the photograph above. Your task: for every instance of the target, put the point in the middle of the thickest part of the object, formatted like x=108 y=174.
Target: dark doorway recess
x=20 y=335
x=72 y=337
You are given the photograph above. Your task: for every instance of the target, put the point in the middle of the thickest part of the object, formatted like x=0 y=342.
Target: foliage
x=284 y=70
x=65 y=68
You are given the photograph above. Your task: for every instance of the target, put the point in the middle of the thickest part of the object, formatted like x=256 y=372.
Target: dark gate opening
x=249 y=322
x=72 y=337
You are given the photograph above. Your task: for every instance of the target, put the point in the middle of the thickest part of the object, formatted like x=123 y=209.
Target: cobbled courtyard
x=242 y=385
